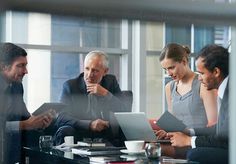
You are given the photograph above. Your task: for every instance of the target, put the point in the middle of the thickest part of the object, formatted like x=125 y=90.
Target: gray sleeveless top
x=189 y=107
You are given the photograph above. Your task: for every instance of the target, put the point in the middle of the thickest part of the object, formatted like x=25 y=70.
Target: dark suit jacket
x=81 y=111
x=220 y=139
x=15 y=110
x=14 y=104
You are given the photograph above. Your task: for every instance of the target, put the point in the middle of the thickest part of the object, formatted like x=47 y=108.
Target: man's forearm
x=23 y=125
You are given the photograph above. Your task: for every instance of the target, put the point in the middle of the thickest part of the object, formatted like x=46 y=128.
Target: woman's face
x=176 y=70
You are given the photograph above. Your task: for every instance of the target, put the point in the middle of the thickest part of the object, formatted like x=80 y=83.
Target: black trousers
x=208 y=155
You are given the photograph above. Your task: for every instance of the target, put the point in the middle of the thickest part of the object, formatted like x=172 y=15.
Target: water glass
x=45 y=142
x=69 y=140
x=153 y=150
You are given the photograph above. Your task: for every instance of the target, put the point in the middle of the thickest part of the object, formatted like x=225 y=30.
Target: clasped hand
x=96 y=89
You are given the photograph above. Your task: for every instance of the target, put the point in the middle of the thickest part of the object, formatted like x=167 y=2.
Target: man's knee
x=206 y=155
x=193 y=155
x=61 y=133
x=66 y=130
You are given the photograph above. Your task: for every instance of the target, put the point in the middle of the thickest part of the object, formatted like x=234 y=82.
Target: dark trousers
x=208 y=155
x=15 y=142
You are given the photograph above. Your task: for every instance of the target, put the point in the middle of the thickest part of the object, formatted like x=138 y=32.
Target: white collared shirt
x=222 y=87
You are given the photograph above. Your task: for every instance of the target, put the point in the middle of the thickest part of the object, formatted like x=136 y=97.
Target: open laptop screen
x=135 y=126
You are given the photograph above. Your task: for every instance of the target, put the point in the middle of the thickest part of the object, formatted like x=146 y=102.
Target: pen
x=171 y=160
x=120 y=162
x=102 y=116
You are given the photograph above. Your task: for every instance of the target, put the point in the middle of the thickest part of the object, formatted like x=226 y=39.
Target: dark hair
x=215 y=56
x=174 y=51
x=9 y=52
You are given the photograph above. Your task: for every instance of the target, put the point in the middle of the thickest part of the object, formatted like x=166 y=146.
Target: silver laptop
x=136 y=126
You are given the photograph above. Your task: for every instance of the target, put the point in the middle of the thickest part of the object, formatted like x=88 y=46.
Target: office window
x=154 y=87
x=75 y=33
x=65 y=31
x=101 y=33
x=62 y=71
x=2 y=27
x=19 y=35
x=178 y=33
x=222 y=36
x=86 y=32
x=203 y=35
x=56 y=46
x=37 y=81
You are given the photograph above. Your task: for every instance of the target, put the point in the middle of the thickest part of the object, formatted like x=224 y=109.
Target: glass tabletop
x=35 y=155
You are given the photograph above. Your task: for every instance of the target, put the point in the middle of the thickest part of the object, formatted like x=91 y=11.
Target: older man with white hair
x=91 y=98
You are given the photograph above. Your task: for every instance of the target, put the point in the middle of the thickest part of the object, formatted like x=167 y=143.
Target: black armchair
x=127 y=98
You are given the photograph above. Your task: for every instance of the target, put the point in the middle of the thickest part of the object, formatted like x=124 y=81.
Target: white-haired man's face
x=94 y=70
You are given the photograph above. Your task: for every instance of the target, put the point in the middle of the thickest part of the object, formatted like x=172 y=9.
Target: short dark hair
x=215 y=56
x=9 y=52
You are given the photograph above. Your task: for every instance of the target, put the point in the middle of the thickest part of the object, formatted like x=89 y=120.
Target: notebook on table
x=136 y=126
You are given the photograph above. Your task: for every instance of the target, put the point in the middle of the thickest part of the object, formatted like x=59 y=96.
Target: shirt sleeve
x=192 y=132
x=13 y=126
x=193 y=144
x=108 y=96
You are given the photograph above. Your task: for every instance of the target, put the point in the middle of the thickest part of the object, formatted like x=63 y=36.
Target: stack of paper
x=96 y=150
x=91 y=144
x=172 y=160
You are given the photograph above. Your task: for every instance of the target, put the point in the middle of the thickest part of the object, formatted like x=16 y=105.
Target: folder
x=57 y=107
x=170 y=123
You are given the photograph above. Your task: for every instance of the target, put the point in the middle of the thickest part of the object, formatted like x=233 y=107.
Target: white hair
x=100 y=54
